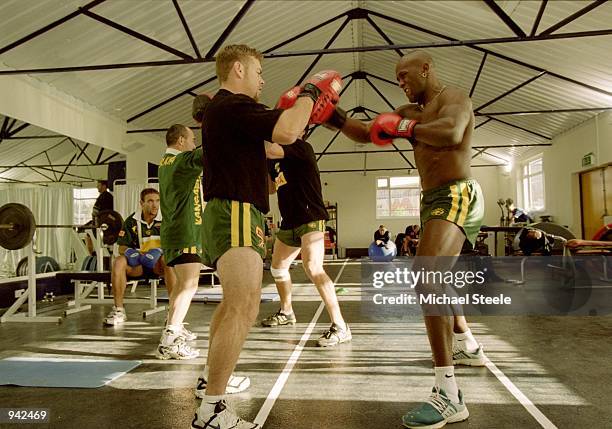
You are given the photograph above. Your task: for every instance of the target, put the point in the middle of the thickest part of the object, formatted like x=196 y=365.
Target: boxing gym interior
x=88 y=90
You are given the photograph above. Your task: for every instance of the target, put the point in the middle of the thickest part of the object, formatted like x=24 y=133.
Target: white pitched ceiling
x=35 y=154
x=516 y=76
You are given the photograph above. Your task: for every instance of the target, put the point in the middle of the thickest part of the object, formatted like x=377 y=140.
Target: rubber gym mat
x=56 y=372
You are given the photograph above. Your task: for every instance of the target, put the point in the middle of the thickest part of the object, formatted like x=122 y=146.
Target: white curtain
x=50 y=205
x=127 y=197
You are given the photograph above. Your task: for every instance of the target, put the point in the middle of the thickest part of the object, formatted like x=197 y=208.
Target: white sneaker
x=235 y=384
x=221 y=418
x=463 y=357
x=115 y=317
x=178 y=349
x=187 y=334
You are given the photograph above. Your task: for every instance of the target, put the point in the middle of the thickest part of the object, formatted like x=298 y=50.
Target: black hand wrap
x=337 y=119
x=310 y=90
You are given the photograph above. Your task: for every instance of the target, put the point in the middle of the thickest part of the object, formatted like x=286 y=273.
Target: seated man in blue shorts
x=140 y=253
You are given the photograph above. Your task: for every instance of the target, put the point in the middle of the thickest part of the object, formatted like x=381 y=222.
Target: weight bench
x=591 y=247
x=86 y=281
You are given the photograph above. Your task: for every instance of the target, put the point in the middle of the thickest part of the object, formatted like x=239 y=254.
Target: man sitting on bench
x=140 y=253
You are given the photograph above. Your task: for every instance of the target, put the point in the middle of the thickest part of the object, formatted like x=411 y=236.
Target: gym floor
x=545 y=371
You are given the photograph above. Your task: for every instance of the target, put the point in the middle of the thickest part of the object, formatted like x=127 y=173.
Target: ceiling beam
x=383 y=34
x=360 y=152
x=34 y=156
x=455 y=42
x=449 y=43
x=510 y=91
x=522 y=129
x=50 y=26
x=327 y=45
x=544 y=111
x=482 y=63
x=136 y=34
x=230 y=27
x=572 y=17
x=361 y=170
x=179 y=12
x=534 y=29
x=505 y=18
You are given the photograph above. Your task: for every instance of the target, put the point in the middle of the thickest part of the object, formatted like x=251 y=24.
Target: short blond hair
x=230 y=54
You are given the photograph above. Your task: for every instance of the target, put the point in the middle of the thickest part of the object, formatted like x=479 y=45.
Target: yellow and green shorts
x=293 y=237
x=230 y=224
x=460 y=202
x=187 y=255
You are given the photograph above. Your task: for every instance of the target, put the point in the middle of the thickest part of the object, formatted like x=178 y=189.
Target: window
x=397 y=196
x=84 y=200
x=533 y=185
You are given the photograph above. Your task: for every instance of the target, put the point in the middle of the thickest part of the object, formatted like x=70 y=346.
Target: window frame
x=525 y=183
x=77 y=219
x=389 y=187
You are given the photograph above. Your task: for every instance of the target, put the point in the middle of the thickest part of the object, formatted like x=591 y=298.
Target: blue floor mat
x=56 y=372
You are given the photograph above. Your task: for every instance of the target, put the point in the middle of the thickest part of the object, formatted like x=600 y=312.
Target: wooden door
x=596 y=197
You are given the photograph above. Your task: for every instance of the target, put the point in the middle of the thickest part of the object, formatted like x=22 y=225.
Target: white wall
x=356 y=198
x=562 y=163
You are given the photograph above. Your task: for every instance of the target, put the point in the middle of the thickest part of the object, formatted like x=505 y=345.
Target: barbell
x=17 y=226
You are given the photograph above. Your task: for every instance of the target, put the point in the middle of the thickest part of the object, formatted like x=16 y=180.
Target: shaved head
x=418 y=57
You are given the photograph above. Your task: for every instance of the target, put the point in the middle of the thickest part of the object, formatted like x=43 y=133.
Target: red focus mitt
x=288 y=98
x=324 y=90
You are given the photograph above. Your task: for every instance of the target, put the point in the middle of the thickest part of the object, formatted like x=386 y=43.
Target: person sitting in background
x=381 y=236
x=140 y=253
x=411 y=240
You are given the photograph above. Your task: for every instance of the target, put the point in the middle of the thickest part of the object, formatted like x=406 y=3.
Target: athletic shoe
x=334 y=335
x=187 y=334
x=115 y=317
x=463 y=357
x=436 y=412
x=235 y=384
x=222 y=417
x=278 y=319
x=178 y=349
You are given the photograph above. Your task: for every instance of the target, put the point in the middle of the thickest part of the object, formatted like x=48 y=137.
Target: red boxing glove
x=324 y=90
x=288 y=99
x=388 y=126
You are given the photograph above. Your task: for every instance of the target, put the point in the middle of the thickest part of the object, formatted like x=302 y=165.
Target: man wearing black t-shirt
x=102 y=203
x=296 y=176
x=104 y=200
x=236 y=191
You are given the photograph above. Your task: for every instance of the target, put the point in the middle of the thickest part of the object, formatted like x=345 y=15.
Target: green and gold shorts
x=293 y=237
x=460 y=202
x=230 y=224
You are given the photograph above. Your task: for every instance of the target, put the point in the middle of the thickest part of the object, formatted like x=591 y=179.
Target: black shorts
x=185 y=258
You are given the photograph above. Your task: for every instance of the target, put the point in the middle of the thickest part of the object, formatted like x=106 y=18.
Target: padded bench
x=86 y=281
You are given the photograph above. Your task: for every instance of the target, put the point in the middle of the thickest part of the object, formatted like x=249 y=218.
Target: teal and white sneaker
x=436 y=412
x=463 y=357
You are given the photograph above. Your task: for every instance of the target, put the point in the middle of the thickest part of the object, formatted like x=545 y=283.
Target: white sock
x=445 y=380
x=120 y=308
x=466 y=341
x=169 y=334
x=208 y=404
x=205 y=372
x=174 y=328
